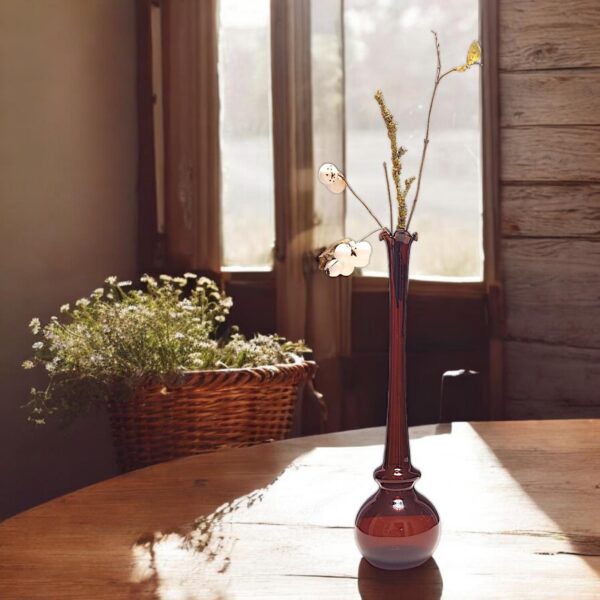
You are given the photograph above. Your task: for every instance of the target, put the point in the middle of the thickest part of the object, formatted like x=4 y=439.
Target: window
x=369 y=44
x=247 y=197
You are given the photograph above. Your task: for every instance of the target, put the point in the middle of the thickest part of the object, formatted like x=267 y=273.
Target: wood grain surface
x=549 y=34
x=550 y=380
x=551 y=154
x=561 y=97
x=519 y=502
x=549 y=55
x=552 y=291
x=563 y=211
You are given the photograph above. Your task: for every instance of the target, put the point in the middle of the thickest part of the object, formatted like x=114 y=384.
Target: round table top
x=519 y=504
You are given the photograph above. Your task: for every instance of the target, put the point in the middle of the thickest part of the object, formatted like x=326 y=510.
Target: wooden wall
x=549 y=60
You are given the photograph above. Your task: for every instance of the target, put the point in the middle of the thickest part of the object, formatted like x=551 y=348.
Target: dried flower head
x=344 y=256
x=397 y=153
x=332 y=178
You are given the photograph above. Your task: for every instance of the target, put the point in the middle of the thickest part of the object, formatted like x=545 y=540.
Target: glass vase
x=397 y=527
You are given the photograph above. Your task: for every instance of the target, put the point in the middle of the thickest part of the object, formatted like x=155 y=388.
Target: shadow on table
x=190 y=562
x=424 y=582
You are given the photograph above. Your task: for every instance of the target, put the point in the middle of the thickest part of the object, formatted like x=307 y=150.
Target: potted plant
x=174 y=378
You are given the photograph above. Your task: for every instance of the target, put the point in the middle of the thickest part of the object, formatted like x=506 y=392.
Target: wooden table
x=519 y=502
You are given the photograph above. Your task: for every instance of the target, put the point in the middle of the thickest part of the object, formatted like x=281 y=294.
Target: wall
x=550 y=139
x=68 y=148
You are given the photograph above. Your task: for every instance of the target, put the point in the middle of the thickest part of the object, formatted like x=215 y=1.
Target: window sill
x=424 y=287
x=371 y=284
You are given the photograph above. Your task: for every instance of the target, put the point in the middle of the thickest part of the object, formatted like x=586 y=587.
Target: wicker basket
x=209 y=410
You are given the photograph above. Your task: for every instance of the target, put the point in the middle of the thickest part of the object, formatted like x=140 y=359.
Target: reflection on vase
x=397 y=527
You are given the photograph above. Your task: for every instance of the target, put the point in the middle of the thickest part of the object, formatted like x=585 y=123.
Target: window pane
x=247 y=197
x=388 y=45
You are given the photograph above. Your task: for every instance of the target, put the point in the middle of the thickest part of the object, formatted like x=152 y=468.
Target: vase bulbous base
x=397 y=529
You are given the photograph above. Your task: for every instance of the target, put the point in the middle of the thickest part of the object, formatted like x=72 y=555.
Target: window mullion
x=293 y=158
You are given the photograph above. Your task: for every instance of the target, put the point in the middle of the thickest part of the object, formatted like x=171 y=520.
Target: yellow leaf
x=474 y=54
x=461 y=68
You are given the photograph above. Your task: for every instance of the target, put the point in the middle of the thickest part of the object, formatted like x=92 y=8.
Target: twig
x=364 y=237
x=436 y=83
x=453 y=70
x=389 y=193
x=363 y=203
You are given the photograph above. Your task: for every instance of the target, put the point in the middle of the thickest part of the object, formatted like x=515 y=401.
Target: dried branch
x=473 y=58
x=364 y=237
x=397 y=153
x=363 y=203
x=436 y=83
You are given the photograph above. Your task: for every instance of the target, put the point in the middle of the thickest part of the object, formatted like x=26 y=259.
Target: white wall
x=68 y=161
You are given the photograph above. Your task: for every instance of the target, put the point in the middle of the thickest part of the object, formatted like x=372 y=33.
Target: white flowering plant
x=119 y=338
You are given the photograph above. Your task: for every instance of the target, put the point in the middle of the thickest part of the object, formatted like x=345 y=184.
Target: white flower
x=336 y=267
x=64 y=308
x=28 y=364
x=147 y=279
x=35 y=325
x=82 y=302
x=331 y=178
x=124 y=283
x=112 y=280
x=347 y=256
x=362 y=253
x=38 y=345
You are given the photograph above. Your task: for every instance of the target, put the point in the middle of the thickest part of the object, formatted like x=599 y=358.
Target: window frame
x=282 y=71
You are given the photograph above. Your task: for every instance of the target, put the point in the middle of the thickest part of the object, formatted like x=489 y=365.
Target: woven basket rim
x=280 y=366
x=240 y=376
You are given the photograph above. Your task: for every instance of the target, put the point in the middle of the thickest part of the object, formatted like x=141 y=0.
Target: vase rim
x=399 y=235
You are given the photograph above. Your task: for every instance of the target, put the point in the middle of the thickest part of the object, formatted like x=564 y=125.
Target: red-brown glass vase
x=397 y=527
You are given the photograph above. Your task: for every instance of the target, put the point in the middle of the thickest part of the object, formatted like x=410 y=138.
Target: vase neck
x=397 y=470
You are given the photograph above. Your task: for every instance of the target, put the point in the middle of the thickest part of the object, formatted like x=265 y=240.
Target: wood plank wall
x=550 y=197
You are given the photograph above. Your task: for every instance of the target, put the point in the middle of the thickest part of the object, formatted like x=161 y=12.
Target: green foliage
x=119 y=338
